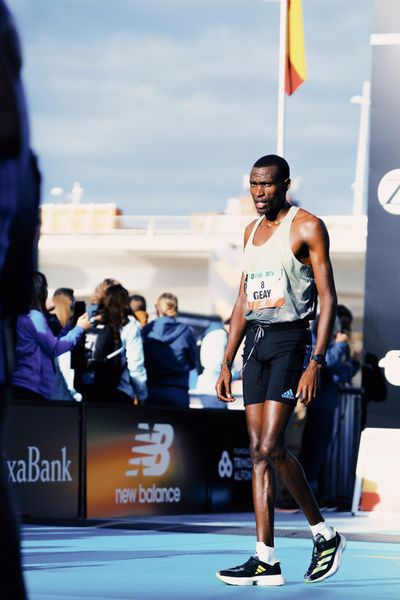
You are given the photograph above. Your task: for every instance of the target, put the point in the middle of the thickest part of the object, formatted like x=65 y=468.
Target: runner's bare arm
x=236 y=333
x=317 y=239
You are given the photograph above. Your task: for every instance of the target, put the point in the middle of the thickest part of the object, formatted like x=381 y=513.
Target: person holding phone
x=34 y=376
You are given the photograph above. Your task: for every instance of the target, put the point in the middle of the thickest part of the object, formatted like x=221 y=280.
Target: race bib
x=264 y=289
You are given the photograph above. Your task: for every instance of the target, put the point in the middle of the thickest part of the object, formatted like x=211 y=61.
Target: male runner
x=286 y=265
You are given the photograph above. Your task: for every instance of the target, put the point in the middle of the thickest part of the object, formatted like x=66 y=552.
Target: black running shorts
x=274 y=359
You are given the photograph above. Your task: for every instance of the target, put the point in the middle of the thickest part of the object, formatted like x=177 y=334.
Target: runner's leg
x=267 y=424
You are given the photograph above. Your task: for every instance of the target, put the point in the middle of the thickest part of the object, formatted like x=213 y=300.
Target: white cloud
x=193 y=85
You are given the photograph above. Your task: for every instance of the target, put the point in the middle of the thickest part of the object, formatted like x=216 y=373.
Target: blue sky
x=162 y=105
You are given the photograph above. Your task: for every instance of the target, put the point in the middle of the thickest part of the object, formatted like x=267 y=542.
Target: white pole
x=362 y=148
x=280 y=138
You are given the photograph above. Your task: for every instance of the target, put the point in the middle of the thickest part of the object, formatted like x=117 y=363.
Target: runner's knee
x=271 y=451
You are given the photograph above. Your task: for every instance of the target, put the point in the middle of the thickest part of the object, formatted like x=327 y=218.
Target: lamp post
x=359 y=184
x=280 y=129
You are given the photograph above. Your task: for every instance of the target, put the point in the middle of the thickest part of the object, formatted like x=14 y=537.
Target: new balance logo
x=151 y=454
x=288 y=394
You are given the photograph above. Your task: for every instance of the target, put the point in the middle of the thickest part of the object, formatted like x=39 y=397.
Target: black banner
x=144 y=462
x=382 y=288
x=138 y=461
x=42 y=459
x=154 y=462
x=229 y=463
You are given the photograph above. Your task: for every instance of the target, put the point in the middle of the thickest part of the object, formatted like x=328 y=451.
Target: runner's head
x=272 y=160
x=269 y=182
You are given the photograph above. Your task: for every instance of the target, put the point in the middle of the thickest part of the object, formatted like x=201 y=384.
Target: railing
x=348 y=233
x=338 y=483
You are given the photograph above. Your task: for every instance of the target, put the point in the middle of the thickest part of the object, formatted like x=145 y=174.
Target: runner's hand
x=223 y=386
x=309 y=383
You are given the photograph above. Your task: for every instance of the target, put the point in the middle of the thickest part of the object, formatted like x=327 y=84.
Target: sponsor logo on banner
x=389 y=192
x=34 y=468
x=238 y=466
x=225 y=466
x=151 y=455
x=151 y=458
x=391 y=364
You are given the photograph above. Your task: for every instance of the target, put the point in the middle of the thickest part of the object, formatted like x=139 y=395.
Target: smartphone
x=79 y=309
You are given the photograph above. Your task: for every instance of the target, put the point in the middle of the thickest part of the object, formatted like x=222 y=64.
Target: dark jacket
x=170 y=353
x=340 y=368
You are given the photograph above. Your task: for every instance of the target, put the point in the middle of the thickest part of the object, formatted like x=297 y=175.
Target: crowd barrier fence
x=338 y=483
x=70 y=460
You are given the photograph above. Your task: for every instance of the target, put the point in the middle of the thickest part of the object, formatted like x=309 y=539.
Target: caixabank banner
x=42 y=459
x=144 y=462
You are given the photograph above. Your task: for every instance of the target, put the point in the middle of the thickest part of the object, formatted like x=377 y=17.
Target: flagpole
x=280 y=137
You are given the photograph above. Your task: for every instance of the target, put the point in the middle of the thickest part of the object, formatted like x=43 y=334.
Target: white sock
x=323 y=529
x=265 y=553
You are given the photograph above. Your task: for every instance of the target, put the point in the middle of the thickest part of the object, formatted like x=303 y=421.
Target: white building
x=196 y=257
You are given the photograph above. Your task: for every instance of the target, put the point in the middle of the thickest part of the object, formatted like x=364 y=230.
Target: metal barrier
x=338 y=484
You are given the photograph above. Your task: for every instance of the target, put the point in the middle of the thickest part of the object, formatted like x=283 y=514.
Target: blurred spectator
x=212 y=352
x=170 y=353
x=318 y=430
x=373 y=384
x=113 y=364
x=37 y=347
x=98 y=294
x=138 y=307
x=61 y=309
x=19 y=218
x=60 y=321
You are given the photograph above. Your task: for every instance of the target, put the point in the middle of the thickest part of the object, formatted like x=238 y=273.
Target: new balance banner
x=145 y=462
x=382 y=288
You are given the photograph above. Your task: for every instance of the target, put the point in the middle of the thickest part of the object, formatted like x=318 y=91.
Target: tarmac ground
x=176 y=557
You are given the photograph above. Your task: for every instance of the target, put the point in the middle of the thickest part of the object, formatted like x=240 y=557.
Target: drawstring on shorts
x=259 y=335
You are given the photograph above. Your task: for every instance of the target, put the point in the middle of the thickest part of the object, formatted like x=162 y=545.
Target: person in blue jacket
x=34 y=376
x=340 y=368
x=170 y=353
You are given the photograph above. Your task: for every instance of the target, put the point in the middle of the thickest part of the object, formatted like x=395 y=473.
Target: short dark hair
x=69 y=292
x=140 y=300
x=345 y=317
x=272 y=160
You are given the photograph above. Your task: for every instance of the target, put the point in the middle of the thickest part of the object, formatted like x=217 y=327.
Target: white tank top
x=278 y=286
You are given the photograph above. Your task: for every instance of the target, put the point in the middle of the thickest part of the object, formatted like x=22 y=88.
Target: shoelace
x=248 y=563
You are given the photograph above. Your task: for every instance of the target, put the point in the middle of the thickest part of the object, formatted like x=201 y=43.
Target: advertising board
x=144 y=462
x=42 y=459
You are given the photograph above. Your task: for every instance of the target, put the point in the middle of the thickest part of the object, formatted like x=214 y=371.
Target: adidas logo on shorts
x=288 y=394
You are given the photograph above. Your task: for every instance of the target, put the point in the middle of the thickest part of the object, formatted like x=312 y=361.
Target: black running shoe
x=253 y=572
x=326 y=557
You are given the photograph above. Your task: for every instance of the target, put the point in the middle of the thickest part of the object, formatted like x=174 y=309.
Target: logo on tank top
x=264 y=289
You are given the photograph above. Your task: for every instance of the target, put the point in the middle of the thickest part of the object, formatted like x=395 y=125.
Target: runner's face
x=268 y=191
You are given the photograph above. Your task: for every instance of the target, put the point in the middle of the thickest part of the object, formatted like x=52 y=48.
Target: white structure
x=197 y=257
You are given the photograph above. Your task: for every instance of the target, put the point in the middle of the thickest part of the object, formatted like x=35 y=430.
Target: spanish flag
x=295 y=51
